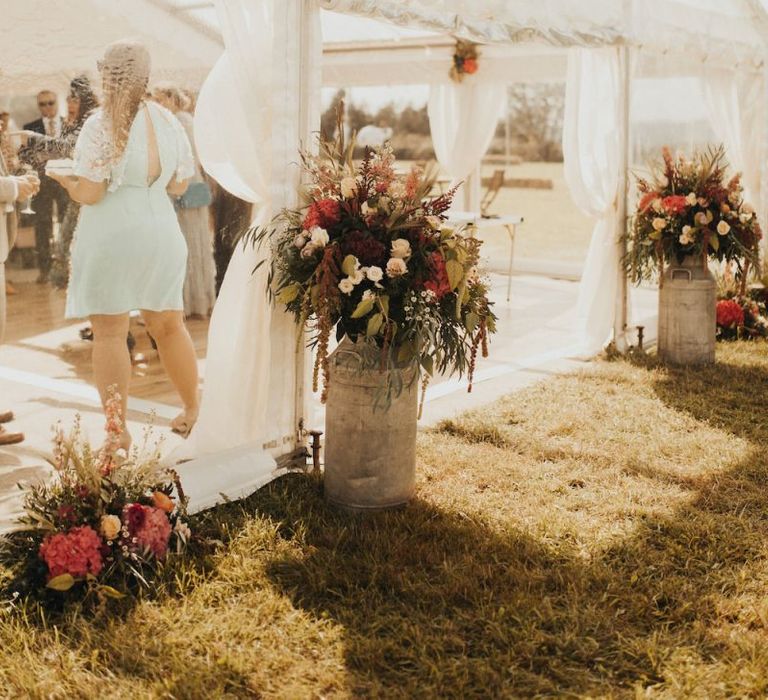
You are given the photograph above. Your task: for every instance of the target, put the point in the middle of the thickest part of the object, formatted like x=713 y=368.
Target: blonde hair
x=125 y=76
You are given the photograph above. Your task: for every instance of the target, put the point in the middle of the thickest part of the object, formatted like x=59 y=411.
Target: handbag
x=198 y=195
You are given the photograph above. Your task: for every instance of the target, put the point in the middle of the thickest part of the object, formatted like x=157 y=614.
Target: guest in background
x=192 y=210
x=12 y=189
x=8 y=153
x=81 y=103
x=49 y=124
x=231 y=217
x=6 y=147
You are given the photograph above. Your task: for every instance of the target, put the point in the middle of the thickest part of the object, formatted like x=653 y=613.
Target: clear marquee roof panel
x=50 y=41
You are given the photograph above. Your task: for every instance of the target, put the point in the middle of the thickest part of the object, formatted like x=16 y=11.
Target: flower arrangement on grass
x=741 y=313
x=465 y=57
x=688 y=208
x=370 y=255
x=103 y=526
x=741 y=318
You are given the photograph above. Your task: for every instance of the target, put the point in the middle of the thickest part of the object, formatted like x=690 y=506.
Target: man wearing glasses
x=49 y=124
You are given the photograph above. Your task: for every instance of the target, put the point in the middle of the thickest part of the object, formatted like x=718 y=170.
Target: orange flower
x=646 y=201
x=470 y=65
x=163 y=502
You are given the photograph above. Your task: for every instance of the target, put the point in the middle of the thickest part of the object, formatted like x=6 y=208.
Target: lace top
x=94 y=148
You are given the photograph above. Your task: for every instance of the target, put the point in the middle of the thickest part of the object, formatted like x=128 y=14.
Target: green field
x=555 y=228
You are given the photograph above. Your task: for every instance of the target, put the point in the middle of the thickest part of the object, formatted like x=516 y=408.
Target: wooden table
x=509 y=221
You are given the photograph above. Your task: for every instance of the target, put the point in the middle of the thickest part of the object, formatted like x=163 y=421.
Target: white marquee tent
x=273 y=52
x=261 y=99
x=46 y=43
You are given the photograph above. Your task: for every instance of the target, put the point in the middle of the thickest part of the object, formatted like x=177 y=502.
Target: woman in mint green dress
x=128 y=251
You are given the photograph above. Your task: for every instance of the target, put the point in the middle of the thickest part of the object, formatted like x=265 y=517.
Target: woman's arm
x=80 y=189
x=176 y=188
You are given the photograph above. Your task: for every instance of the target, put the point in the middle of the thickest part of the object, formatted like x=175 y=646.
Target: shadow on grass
x=731 y=397
x=438 y=603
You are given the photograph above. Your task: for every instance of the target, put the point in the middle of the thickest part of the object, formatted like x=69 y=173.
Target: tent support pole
x=308 y=82
x=622 y=296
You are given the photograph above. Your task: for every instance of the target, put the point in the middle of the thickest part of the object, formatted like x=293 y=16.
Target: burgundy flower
x=438 y=283
x=134 y=516
x=366 y=249
x=66 y=513
x=150 y=528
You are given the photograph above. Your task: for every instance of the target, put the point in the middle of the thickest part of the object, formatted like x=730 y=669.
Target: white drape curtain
x=234 y=121
x=248 y=402
x=462 y=119
x=736 y=108
x=593 y=138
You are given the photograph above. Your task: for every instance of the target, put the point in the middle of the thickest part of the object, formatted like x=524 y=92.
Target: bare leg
x=177 y=353
x=112 y=362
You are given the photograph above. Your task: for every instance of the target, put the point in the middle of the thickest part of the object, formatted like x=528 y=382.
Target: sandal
x=183 y=424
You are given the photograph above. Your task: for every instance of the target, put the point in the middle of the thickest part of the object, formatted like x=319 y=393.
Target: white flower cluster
x=417 y=306
x=348 y=187
x=400 y=252
x=396 y=190
x=309 y=242
x=373 y=274
x=687 y=237
x=747 y=213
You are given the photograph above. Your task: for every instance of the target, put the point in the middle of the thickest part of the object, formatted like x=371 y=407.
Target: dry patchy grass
x=603 y=534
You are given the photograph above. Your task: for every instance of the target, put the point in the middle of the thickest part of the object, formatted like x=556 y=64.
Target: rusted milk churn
x=687 y=320
x=370 y=451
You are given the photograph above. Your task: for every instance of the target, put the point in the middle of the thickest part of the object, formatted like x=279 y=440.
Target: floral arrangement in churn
x=689 y=208
x=465 y=57
x=102 y=527
x=370 y=255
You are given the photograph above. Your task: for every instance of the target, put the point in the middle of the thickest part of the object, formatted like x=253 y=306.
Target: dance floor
x=45 y=371
x=41 y=341
x=45 y=377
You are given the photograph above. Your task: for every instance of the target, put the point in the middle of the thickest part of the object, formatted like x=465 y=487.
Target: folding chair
x=496 y=183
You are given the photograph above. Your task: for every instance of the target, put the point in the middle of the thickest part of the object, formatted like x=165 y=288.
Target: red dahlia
x=323 y=213
x=729 y=314
x=674 y=204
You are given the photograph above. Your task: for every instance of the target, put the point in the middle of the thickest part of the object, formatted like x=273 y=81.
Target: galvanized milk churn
x=370 y=450
x=687 y=308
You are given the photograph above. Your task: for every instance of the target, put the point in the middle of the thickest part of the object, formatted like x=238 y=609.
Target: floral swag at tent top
x=370 y=254
x=465 y=57
x=687 y=208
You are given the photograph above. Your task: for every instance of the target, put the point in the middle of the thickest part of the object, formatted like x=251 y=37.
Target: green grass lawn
x=602 y=534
